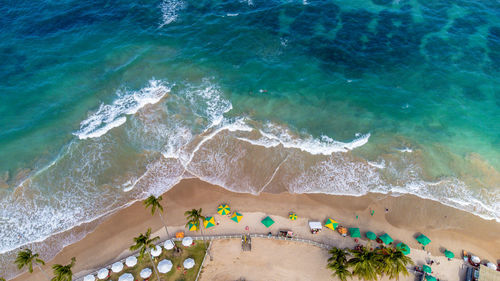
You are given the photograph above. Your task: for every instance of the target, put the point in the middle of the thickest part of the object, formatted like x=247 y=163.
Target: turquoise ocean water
x=103 y=103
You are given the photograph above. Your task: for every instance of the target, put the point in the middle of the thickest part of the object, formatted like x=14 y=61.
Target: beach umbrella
x=131 y=261
x=89 y=278
x=267 y=221
x=430 y=278
x=424 y=240
x=192 y=226
x=449 y=254
x=331 y=224
x=491 y=265
x=188 y=263
x=386 y=239
x=156 y=251
x=370 y=235
x=102 y=273
x=475 y=259
x=168 y=245
x=223 y=209
x=164 y=266
x=354 y=231
x=292 y=216
x=427 y=268
x=145 y=273
x=187 y=241
x=236 y=217
x=126 y=277
x=209 y=222
x=117 y=267
x=403 y=248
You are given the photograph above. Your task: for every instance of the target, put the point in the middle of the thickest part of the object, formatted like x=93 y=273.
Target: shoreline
x=408 y=215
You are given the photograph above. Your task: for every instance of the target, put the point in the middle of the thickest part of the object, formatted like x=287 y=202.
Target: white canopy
x=131 y=261
x=102 y=273
x=117 y=267
x=126 y=277
x=156 y=251
x=164 y=266
x=315 y=225
x=187 y=241
x=491 y=265
x=168 y=245
x=89 y=278
x=145 y=273
x=475 y=259
x=188 y=263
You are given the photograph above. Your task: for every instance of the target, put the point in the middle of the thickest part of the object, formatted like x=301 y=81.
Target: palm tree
x=143 y=243
x=2 y=279
x=195 y=217
x=338 y=264
x=393 y=263
x=154 y=203
x=364 y=263
x=27 y=258
x=63 y=272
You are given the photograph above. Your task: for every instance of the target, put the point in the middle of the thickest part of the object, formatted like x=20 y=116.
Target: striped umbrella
x=331 y=224
x=223 y=209
x=236 y=217
x=209 y=222
x=292 y=216
x=192 y=227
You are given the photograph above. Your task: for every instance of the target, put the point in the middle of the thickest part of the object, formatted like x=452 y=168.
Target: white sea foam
x=405 y=149
x=110 y=116
x=232 y=14
x=170 y=10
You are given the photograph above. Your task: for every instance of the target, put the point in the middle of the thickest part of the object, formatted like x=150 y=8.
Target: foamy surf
x=170 y=10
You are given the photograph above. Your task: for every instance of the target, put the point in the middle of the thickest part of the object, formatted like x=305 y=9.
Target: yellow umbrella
x=236 y=217
x=292 y=216
x=192 y=227
x=331 y=224
x=223 y=209
x=209 y=222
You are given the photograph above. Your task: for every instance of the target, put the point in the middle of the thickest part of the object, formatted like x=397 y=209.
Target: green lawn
x=196 y=252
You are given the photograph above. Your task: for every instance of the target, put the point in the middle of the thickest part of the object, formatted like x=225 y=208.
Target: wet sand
x=407 y=216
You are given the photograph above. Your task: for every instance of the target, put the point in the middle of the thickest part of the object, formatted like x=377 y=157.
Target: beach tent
x=168 y=245
x=223 y=209
x=315 y=225
x=386 y=239
x=331 y=224
x=102 y=273
x=187 y=241
x=354 y=231
x=370 y=235
x=188 y=263
x=164 y=266
x=192 y=227
x=426 y=268
x=430 y=278
x=209 y=222
x=145 y=273
x=156 y=251
x=236 y=217
x=131 y=261
x=89 y=278
x=424 y=240
x=126 y=277
x=292 y=216
x=117 y=267
x=267 y=221
x=449 y=254
x=403 y=248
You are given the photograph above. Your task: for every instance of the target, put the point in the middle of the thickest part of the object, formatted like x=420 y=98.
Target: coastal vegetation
x=144 y=243
x=154 y=203
x=196 y=218
x=26 y=258
x=368 y=264
x=63 y=272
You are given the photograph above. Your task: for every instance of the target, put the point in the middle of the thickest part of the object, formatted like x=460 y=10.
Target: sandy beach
x=407 y=216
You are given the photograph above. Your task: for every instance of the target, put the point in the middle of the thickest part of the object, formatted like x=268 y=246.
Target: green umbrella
x=370 y=235
x=427 y=268
x=354 y=231
x=403 y=248
x=430 y=278
x=386 y=239
x=424 y=240
x=449 y=254
x=267 y=221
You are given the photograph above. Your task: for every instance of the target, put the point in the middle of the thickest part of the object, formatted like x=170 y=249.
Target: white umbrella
x=168 y=245
x=102 y=273
x=89 y=278
x=126 y=277
x=145 y=273
x=131 y=261
x=491 y=265
x=188 y=263
x=475 y=259
x=117 y=267
x=187 y=241
x=156 y=251
x=164 y=266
